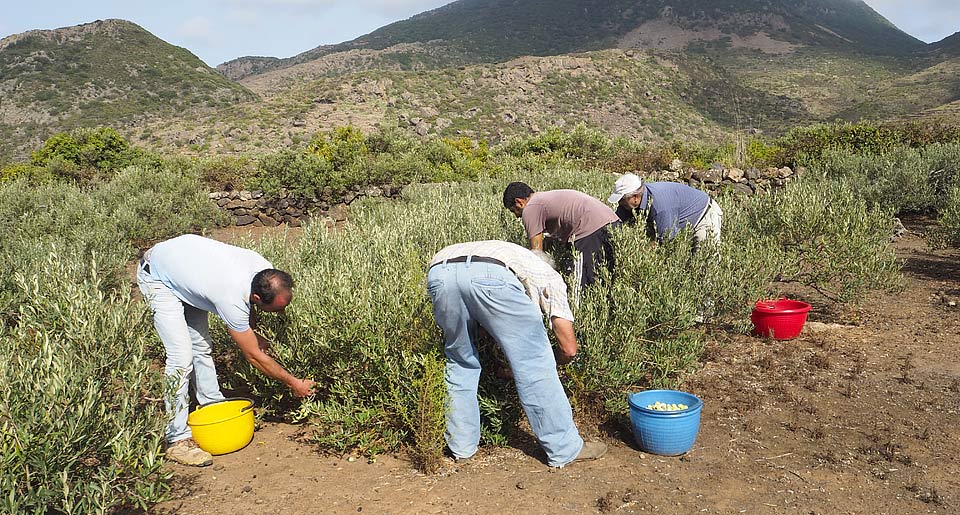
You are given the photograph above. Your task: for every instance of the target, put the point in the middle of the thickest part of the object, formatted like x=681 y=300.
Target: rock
x=735 y=174
x=423 y=129
x=443 y=123
x=752 y=174
x=248 y=204
x=349 y=197
x=509 y=117
x=473 y=111
x=676 y=165
x=742 y=188
x=215 y=195
x=245 y=195
x=223 y=202
x=245 y=220
x=256 y=194
x=247 y=489
x=372 y=191
x=232 y=204
x=291 y=221
x=898 y=228
x=338 y=212
x=711 y=176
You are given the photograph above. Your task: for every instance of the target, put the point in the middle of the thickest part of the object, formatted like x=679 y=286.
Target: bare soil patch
x=859 y=415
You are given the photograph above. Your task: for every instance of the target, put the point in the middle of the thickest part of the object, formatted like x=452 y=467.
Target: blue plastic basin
x=667 y=433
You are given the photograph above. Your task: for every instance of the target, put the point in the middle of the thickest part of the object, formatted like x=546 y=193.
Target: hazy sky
x=220 y=30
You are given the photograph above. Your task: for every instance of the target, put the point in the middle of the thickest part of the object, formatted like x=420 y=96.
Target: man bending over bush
x=502 y=288
x=566 y=215
x=669 y=207
x=186 y=278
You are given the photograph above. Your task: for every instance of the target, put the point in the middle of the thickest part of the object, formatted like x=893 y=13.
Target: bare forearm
x=566 y=339
x=536 y=242
x=269 y=367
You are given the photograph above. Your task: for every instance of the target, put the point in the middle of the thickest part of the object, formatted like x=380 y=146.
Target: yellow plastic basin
x=223 y=426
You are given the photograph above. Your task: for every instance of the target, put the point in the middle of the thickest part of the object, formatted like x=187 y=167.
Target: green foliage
x=32 y=173
x=827 y=237
x=579 y=143
x=810 y=143
x=78 y=433
x=373 y=346
x=80 y=429
x=344 y=148
x=948 y=230
x=344 y=158
x=902 y=179
x=82 y=153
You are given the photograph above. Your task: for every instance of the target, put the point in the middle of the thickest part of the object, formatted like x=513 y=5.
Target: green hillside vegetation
x=948 y=46
x=103 y=73
x=920 y=94
x=90 y=441
x=643 y=96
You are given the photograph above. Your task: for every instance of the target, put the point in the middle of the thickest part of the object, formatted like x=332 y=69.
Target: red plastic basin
x=780 y=319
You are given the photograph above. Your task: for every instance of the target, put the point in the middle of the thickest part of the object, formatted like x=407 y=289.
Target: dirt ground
x=857 y=415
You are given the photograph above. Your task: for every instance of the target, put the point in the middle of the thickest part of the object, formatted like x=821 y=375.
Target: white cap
x=625 y=185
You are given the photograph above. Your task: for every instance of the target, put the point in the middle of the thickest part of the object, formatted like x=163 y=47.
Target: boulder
x=245 y=220
x=266 y=220
x=742 y=189
x=338 y=212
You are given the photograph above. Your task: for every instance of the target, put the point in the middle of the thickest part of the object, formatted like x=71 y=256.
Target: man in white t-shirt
x=184 y=279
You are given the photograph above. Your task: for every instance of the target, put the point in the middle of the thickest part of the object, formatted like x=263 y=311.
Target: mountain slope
x=108 y=72
x=496 y=30
x=948 y=46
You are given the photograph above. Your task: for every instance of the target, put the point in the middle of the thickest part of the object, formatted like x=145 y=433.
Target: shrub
x=948 y=230
x=80 y=431
x=903 y=180
x=828 y=237
x=88 y=151
x=373 y=345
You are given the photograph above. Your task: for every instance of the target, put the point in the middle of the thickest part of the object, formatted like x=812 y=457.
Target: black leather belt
x=473 y=259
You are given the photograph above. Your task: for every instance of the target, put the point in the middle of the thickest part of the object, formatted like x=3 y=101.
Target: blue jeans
x=466 y=295
x=185 y=333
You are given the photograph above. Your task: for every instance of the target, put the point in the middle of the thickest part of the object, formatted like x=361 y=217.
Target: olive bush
x=80 y=418
x=948 y=230
x=361 y=323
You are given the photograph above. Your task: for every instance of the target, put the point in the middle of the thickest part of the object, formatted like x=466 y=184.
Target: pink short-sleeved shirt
x=565 y=214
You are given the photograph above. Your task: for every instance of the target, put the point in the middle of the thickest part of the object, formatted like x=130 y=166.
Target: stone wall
x=718 y=178
x=255 y=208
x=258 y=209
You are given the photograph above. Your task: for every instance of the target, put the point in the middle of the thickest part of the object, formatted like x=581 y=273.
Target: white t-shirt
x=209 y=275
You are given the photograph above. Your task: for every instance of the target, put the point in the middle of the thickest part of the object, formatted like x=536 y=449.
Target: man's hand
x=303 y=387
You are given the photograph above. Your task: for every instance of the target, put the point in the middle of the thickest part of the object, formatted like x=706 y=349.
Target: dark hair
x=267 y=284
x=514 y=191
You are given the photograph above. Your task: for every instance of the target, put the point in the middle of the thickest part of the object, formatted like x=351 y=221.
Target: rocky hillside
x=948 y=47
x=496 y=30
x=110 y=72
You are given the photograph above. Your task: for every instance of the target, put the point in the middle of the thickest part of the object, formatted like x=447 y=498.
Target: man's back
x=209 y=275
x=565 y=214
